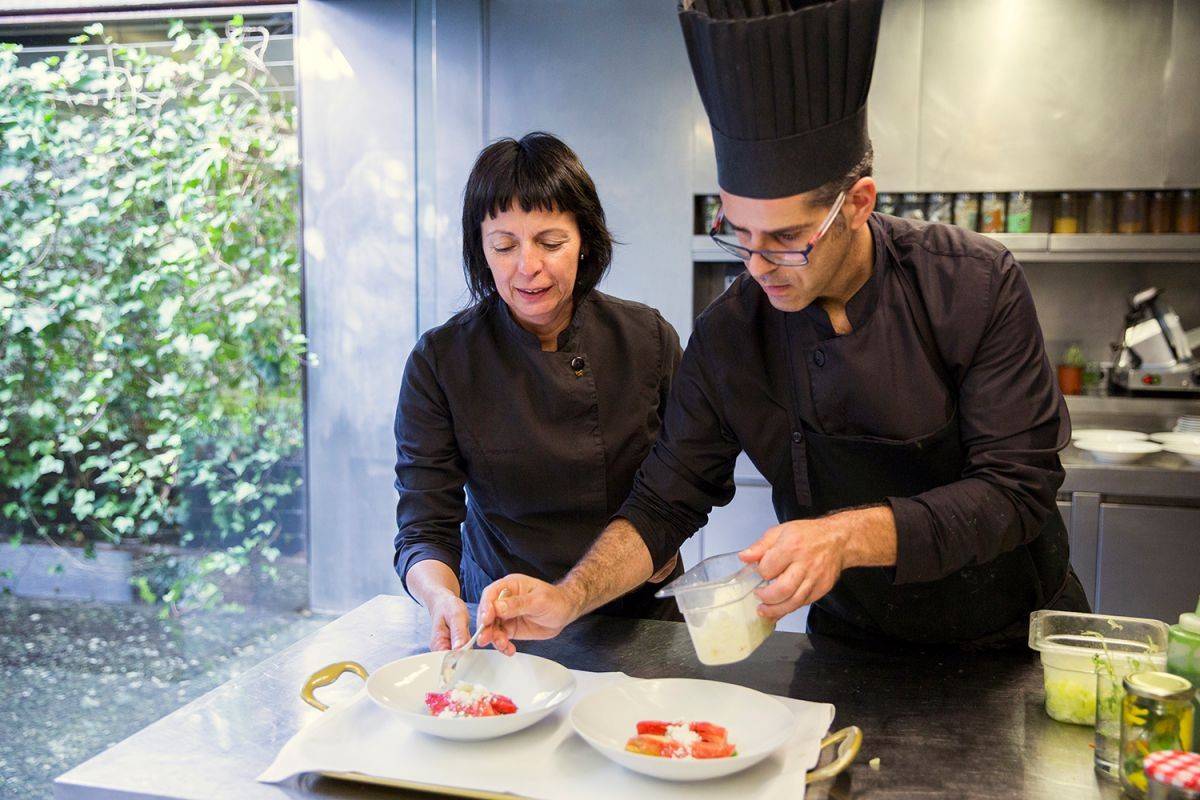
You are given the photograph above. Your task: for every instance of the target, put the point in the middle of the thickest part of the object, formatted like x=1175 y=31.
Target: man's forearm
x=617 y=563
x=870 y=536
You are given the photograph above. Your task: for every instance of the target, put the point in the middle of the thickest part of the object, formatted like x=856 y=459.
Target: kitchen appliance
x=1155 y=354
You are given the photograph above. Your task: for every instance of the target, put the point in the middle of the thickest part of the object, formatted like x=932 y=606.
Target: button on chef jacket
x=944 y=329
x=545 y=444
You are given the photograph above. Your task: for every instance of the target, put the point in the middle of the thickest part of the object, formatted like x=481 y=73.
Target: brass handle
x=325 y=676
x=850 y=738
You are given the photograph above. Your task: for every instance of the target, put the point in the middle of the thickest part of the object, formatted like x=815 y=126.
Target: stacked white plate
x=1107 y=435
x=1183 y=444
x=1188 y=423
x=1172 y=438
x=1109 y=446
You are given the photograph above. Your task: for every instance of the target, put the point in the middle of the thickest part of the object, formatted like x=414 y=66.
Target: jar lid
x=1174 y=768
x=1159 y=686
x=1191 y=622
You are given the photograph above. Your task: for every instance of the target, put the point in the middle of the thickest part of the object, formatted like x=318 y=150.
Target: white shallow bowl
x=1171 y=437
x=1189 y=450
x=1108 y=435
x=1118 y=452
x=758 y=724
x=536 y=685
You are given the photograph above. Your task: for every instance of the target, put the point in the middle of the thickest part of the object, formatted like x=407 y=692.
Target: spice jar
x=966 y=211
x=1160 y=212
x=712 y=207
x=912 y=206
x=1173 y=775
x=940 y=208
x=1187 y=212
x=1131 y=212
x=886 y=204
x=1099 y=217
x=1020 y=212
x=991 y=213
x=1156 y=714
x=1066 y=214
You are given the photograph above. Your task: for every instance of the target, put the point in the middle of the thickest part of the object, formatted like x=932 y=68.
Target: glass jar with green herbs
x=1156 y=714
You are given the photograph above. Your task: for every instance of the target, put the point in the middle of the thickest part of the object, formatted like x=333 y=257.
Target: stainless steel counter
x=943 y=723
x=1159 y=477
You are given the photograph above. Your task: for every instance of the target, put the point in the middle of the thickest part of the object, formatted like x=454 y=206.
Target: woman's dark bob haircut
x=538 y=171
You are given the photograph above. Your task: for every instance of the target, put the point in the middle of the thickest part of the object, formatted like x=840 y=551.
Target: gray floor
x=77 y=677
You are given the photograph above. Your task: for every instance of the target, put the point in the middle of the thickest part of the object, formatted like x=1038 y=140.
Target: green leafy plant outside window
x=151 y=349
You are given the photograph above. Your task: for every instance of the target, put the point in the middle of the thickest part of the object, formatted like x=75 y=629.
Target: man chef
x=888 y=377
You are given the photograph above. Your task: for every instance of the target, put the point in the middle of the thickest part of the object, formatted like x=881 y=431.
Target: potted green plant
x=1070 y=371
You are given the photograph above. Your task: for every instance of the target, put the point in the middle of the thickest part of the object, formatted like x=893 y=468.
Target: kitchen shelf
x=703 y=249
x=1101 y=246
x=1035 y=247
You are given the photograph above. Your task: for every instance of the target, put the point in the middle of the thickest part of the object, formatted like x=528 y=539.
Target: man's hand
x=803 y=559
x=532 y=609
x=450 y=619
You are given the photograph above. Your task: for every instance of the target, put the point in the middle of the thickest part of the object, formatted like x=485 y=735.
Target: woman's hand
x=435 y=586
x=532 y=609
x=450 y=619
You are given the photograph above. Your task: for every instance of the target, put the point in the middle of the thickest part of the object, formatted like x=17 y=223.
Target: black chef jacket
x=757 y=379
x=545 y=443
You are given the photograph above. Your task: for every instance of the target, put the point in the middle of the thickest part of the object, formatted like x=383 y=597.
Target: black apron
x=984 y=604
x=640 y=603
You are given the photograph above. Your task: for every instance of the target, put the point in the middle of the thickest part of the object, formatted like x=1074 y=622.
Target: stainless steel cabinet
x=1149 y=560
x=1081 y=515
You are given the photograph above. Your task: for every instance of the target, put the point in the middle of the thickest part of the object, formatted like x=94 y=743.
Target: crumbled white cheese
x=682 y=733
x=466 y=694
x=462 y=697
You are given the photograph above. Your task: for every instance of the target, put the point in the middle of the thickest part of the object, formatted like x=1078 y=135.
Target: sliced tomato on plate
x=712 y=750
x=436 y=702
x=503 y=705
x=649 y=744
x=653 y=726
x=708 y=732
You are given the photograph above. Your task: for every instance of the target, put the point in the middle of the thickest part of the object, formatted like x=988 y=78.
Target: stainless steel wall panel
x=355 y=61
x=1183 y=97
x=1033 y=95
x=612 y=80
x=893 y=111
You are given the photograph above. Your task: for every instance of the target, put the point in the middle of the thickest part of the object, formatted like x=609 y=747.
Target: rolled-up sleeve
x=430 y=474
x=1013 y=423
x=690 y=468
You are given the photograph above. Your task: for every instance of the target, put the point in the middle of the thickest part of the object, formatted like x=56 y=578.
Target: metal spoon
x=452 y=657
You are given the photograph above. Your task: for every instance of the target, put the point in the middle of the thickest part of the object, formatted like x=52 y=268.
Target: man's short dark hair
x=826 y=195
x=539 y=171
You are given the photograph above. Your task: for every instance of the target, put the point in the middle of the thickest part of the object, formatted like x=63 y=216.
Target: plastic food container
x=720 y=607
x=1075 y=647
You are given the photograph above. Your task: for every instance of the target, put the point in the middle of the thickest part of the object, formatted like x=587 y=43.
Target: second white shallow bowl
x=758 y=724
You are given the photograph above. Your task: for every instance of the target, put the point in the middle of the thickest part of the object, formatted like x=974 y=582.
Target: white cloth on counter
x=547 y=761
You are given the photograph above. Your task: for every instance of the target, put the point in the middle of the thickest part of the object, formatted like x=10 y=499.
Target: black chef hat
x=785 y=85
